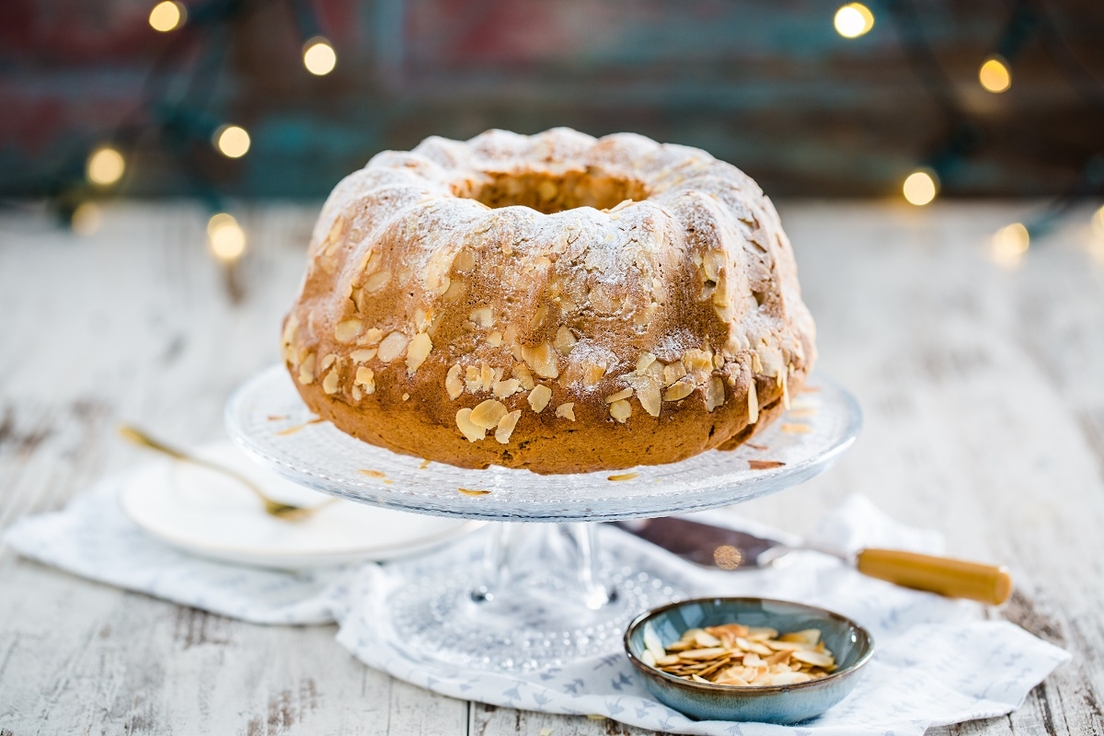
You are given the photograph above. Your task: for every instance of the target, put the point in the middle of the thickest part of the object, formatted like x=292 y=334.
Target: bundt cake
x=553 y=302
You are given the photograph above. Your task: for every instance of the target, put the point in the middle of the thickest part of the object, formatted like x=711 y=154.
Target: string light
x=994 y=75
x=319 y=56
x=1009 y=244
x=167 y=16
x=853 y=20
x=86 y=219
x=225 y=237
x=105 y=166
x=920 y=187
x=231 y=141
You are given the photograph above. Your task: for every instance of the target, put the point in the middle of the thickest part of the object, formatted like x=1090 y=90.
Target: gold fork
x=285 y=511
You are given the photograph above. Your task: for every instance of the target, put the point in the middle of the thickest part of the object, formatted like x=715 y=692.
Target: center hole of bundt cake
x=551 y=193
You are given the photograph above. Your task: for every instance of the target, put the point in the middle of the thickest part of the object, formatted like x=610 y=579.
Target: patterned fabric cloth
x=937 y=661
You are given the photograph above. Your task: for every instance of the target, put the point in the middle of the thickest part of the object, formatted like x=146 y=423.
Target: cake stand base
x=542 y=597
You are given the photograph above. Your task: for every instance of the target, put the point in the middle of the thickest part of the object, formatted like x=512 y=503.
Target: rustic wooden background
x=768 y=86
x=981 y=385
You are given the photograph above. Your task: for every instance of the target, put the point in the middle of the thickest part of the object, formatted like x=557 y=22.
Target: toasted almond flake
x=376 y=281
x=623 y=476
x=542 y=360
x=539 y=397
x=785 y=390
x=592 y=373
x=486 y=377
x=521 y=372
x=372 y=473
x=330 y=382
x=406 y=397
x=802 y=413
x=506 y=426
x=764 y=464
x=473 y=491
x=644 y=362
x=306 y=370
x=714 y=393
x=423 y=465
x=464 y=261
x=371 y=337
x=672 y=373
x=795 y=428
x=328 y=361
x=453 y=383
x=487 y=414
x=420 y=347
x=753 y=403
x=482 y=316
x=472 y=380
x=503 y=389
x=494 y=339
x=678 y=391
x=366 y=377
x=356 y=393
x=566 y=410
x=820 y=659
x=623 y=394
x=620 y=410
x=564 y=340
x=469 y=429
x=455 y=290
x=363 y=355
x=392 y=347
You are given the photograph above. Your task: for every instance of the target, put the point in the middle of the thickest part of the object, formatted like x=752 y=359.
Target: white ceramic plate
x=210 y=514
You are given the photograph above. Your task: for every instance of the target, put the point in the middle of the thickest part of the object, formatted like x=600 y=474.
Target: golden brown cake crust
x=552 y=302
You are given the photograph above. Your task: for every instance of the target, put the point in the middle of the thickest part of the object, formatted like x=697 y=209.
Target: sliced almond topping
x=376 y=281
x=672 y=373
x=753 y=403
x=487 y=414
x=542 y=359
x=473 y=491
x=624 y=394
x=363 y=355
x=392 y=347
x=509 y=387
x=592 y=374
x=796 y=428
x=506 y=426
x=306 y=370
x=486 y=377
x=453 y=384
x=764 y=464
x=785 y=389
x=327 y=361
x=647 y=391
x=677 y=391
x=468 y=428
x=455 y=290
x=697 y=361
x=371 y=337
x=643 y=362
x=521 y=372
x=329 y=383
x=566 y=411
x=564 y=341
x=620 y=410
x=539 y=397
x=623 y=476
x=472 y=381
x=494 y=339
x=347 y=331
x=367 y=378
x=356 y=393
x=714 y=393
x=483 y=316
x=465 y=261
x=418 y=351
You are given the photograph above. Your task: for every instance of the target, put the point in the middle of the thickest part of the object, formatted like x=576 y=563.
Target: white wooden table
x=983 y=388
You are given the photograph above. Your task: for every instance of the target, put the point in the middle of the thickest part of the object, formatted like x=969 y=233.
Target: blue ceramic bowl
x=850 y=643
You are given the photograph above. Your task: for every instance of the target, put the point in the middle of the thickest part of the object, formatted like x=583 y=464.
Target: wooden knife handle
x=943 y=575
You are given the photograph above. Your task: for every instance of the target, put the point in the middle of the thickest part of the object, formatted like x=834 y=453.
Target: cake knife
x=729 y=549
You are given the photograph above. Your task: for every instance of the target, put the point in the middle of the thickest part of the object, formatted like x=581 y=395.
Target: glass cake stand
x=539 y=595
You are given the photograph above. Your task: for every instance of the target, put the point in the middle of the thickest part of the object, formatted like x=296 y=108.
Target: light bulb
x=853 y=20
x=920 y=187
x=105 y=166
x=994 y=75
x=1009 y=244
x=225 y=237
x=232 y=141
x=167 y=16
x=319 y=56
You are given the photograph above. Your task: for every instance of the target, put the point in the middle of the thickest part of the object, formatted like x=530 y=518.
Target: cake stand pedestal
x=541 y=594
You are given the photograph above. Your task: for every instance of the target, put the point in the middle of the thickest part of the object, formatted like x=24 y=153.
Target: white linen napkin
x=937 y=662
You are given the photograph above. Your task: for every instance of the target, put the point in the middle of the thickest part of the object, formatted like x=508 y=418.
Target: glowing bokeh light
x=86 y=219
x=225 y=237
x=105 y=166
x=920 y=187
x=167 y=16
x=319 y=56
x=1009 y=244
x=232 y=141
x=994 y=75
x=853 y=20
